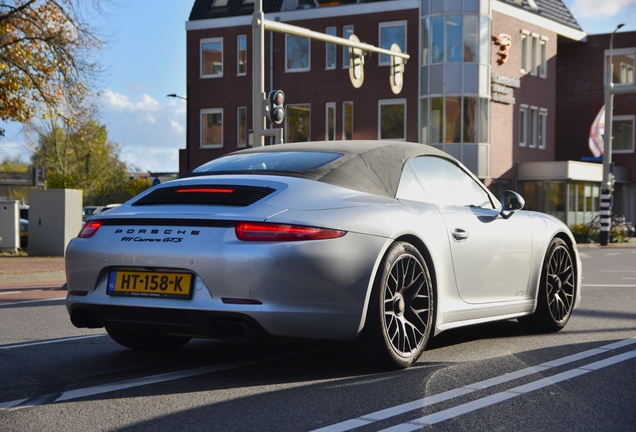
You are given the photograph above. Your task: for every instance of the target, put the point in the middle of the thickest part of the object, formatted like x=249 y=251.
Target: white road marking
x=475 y=405
x=137 y=382
x=51 y=341
x=452 y=394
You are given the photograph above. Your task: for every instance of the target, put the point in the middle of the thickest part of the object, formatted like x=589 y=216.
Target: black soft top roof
x=366 y=166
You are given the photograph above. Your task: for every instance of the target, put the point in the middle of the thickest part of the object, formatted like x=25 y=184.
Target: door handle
x=460 y=234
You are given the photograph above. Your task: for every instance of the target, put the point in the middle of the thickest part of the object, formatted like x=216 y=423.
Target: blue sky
x=145 y=61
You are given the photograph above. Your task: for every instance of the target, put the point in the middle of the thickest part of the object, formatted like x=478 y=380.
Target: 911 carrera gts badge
x=140 y=239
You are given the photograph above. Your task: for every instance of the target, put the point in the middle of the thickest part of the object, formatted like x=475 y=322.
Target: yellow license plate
x=150 y=284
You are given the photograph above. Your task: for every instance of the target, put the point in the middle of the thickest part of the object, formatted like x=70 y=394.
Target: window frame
x=345 y=49
x=344 y=120
x=395 y=102
x=525 y=35
x=210 y=41
x=287 y=118
x=239 y=144
x=543 y=57
x=618 y=52
x=331 y=47
x=295 y=70
x=390 y=24
x=328 y=106
x=533 y=122
x=203 y=112
x=238 y=55
x=534 y=55
x=633 y=121
x=542 y=129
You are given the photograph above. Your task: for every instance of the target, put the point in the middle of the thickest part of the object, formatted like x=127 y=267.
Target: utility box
x=55 y=217
x=9 y=226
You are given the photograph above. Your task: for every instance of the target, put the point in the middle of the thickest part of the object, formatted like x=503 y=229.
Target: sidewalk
x=24 y=269
x=16 y=269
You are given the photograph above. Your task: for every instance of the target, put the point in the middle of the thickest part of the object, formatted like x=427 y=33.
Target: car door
x=491 y=255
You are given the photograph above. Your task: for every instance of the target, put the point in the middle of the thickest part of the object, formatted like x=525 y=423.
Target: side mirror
x=511 y=201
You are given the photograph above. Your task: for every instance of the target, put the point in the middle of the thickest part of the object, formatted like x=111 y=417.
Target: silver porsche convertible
x=382 y=243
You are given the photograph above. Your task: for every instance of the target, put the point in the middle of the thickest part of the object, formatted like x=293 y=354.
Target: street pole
x=608 y=178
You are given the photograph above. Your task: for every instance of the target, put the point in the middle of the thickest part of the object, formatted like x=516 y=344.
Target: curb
x=33 y=277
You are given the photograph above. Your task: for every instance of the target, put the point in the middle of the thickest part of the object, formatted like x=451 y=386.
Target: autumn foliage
x=47 y=53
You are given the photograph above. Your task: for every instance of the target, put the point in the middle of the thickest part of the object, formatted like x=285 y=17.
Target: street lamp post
x=608 y=178
x=187 y=146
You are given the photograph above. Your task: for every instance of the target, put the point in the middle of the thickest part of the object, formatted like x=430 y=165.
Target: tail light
x=254 y=231
x=90 y=228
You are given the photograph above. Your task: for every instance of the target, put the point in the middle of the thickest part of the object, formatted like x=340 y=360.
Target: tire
x=401 y=308
x=556 y=291
x=147 y=340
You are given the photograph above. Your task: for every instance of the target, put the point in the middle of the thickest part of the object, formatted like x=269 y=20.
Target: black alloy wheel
x=400 y=316
x=556 y=292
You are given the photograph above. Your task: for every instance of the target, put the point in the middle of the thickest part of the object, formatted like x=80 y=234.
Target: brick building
x=481 y=84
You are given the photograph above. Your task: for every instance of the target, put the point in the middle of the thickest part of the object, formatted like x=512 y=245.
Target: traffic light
x=276 y=111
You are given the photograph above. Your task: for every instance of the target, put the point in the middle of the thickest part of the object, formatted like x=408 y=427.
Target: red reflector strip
x=89 y=229
x=205 y=190
x=248 y=231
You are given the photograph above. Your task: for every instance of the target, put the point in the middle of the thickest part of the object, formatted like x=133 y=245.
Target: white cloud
x=600 y=9
x=150 y=134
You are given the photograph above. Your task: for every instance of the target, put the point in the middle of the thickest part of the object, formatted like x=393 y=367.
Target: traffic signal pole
x=260 y=100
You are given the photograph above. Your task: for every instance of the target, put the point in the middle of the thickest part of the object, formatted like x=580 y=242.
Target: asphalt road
x=490 y=377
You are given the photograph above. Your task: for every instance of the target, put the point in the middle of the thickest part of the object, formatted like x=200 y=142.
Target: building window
x=346 y=32
x=425 y=42
x=542 y=128
x=347 y=120
x=533 y=127
x=212 y=128
x=543 y=59
x=330 y=132
x=390 y=33
x=212 y=58
x=623 y=133
x=392 y=119
x=437 y=39
x=623 y=60
x=523 y=125
x=241 y=63
x=242 y=127
x=297 y=120
x=330 y=59
x=471 y=38
x=297 y=54
x=534 y=56
x=454 y=45
x=524 y=52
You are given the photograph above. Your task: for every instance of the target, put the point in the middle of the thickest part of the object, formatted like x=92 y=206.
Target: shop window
x=212 y=128
x=212 y=58
x=390 y=33
x=623 y=134
x=297 y=54
x=297 y=121
x=392 y=119
x=241 y=44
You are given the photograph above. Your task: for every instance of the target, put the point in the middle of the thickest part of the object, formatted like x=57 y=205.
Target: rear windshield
x=274 y=161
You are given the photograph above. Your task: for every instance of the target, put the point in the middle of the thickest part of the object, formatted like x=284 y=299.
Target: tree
x=14 y=164
x=79 y=156
x=47 y=55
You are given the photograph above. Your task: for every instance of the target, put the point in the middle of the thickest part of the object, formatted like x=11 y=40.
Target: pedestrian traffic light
x=276 y=110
